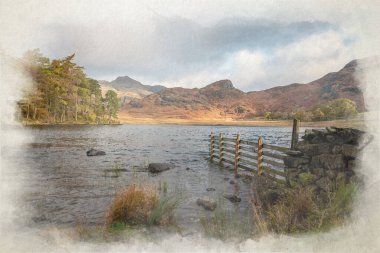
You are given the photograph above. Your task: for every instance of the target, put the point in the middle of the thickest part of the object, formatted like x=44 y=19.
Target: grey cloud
x=169 y=47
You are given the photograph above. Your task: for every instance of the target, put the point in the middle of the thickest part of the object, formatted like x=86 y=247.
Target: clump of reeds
x=132 y=205
x=142 y=205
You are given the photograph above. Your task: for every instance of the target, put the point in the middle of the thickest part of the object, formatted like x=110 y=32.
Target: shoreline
x=353 y=123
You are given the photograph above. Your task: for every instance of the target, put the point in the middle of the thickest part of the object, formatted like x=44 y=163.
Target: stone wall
x=324 y=159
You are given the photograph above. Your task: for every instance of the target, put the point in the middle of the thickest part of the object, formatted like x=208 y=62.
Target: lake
x=65 y=187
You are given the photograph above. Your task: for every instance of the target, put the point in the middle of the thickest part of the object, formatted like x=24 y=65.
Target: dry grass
x=301 y=210
x=142 y=205
x=132 y=205
x=296 y=211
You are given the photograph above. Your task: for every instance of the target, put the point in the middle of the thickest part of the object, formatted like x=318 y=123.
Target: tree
x=62 y=92
x=343 y=108
x=268 y=115
x=337 y=109
x=112 y=104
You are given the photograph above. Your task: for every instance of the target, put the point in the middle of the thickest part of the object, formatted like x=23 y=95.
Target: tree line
x=341 y=108
x=62 y=93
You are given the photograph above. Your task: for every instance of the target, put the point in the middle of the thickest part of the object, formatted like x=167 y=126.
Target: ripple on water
x=67 y=187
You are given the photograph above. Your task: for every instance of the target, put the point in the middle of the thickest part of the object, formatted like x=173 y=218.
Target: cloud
x=301 y=61
x=257 y=46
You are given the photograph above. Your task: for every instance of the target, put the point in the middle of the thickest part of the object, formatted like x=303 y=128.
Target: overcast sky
x=256 y=44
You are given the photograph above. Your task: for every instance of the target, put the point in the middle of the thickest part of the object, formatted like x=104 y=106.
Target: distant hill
x=128 y=88
x=222 y=100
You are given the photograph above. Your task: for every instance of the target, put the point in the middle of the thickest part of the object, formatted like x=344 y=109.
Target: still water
x=65 y=187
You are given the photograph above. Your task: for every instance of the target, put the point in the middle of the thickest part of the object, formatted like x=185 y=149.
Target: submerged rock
x=233 y=198
x=94 y=152
x=159 y=167
x=207 y=203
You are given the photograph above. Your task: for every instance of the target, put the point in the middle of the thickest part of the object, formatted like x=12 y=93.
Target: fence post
x=220 y=148
x=212 y=146
x=259 y=155
x=237 y=155
x=295 y=134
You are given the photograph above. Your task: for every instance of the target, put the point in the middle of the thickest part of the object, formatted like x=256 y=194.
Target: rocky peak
x=221 y=84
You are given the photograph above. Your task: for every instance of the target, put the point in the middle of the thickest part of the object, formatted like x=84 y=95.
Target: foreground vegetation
x=300 y=210
x=62 y=93
x=134 y=209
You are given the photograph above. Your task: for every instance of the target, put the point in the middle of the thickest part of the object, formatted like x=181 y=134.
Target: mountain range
x=221 y=100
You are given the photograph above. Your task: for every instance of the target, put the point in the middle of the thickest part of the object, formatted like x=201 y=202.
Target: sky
x=256 y=44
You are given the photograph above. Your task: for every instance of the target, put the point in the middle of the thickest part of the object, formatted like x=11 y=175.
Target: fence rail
x=256 y=157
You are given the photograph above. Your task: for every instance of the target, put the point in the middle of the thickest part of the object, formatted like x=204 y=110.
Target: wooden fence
x=253 y=156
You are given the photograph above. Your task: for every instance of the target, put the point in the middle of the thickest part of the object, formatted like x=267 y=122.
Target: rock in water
x=159 y=167
x=94 y=152
x=232 y=198
x=207 y=203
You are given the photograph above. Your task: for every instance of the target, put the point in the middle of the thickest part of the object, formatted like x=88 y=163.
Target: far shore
x=353 y=123
x=358 y=123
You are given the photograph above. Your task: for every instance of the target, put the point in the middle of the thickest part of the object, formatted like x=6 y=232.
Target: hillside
x=221 y=100
x=128 y=88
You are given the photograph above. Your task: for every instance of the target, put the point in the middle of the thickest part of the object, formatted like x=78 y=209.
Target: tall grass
x=132 y=205
x=301 y=210
x=142 y=205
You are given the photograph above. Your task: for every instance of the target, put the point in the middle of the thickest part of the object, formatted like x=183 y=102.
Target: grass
x=132 y=205
x=142 y=205
x=301 y=210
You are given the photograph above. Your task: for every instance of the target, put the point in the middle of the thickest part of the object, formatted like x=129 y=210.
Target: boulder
x=337 y=149
x=315 y=149
x=294 y=162
x=233 y=198
x=94 y=152
x=349 y=150
x=327 y=161
x=159 y=167
x=294 y=153
x=207 y=203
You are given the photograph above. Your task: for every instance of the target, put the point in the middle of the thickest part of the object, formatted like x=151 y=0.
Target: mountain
x=123 y=83
x=221 y=100
x=128 y=88
x=341 y=84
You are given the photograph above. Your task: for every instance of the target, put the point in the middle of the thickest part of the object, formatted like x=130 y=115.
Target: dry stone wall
x=324 y=159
